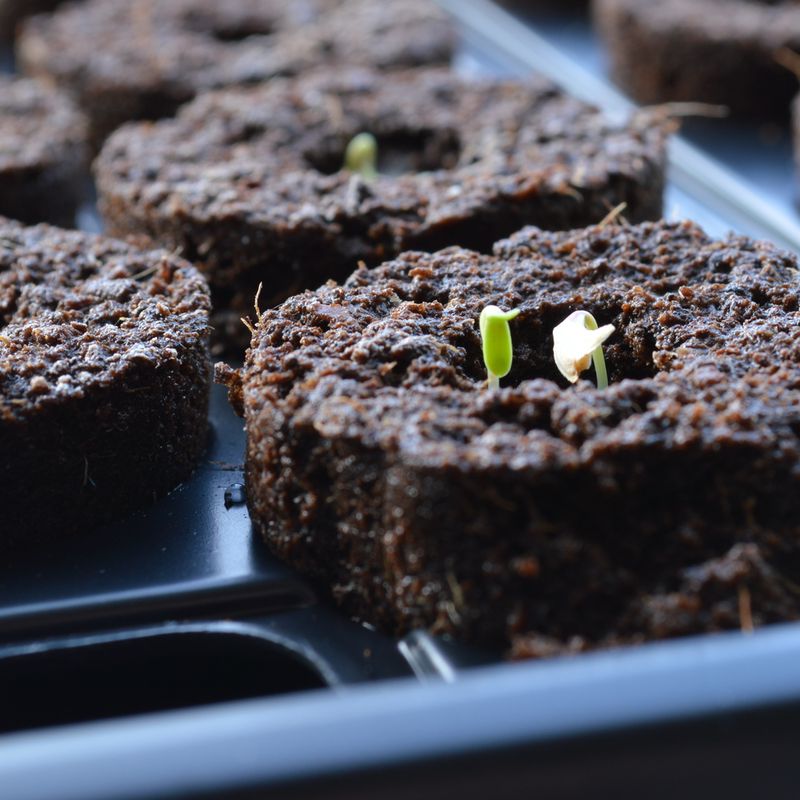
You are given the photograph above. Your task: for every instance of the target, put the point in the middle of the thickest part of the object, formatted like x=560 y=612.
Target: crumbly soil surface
x=125 y=60
x=542 y=518
x=43 y=153
x=250 y=184
x=713 y=51
x=104 y=378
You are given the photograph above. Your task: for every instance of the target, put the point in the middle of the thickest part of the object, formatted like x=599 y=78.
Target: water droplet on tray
x=235 y=495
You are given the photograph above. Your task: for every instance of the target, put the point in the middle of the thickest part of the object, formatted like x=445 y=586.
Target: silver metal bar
x=426 y=659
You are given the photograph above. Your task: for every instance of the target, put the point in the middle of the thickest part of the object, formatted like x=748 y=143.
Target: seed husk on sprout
x=577 y=343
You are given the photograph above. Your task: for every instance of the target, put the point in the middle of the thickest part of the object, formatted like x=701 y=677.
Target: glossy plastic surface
x=694 y=718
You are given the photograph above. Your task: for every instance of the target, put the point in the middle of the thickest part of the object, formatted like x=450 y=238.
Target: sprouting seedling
x=361 y=156
x=498 y=351
x=577 y=342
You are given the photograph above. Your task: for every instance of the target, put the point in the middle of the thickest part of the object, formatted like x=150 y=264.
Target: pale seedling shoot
x=361 y=156
x=498 y=350
x=577 y=343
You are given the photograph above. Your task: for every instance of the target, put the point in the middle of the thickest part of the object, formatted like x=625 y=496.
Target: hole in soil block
x=157 y=672
x=237 y=33
x=225 y=26
x=399 y=152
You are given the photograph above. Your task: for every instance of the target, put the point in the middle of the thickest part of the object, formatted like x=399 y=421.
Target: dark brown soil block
x=124 y=60
x=249 y=184
x=542 y=517
x=43 y=153
x=713 y=51
x=104 y=379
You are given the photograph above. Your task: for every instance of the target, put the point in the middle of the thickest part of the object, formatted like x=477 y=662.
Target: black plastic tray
x=179 y=611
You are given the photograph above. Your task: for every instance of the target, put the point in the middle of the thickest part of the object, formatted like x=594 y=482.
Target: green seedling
x=577 y=343
x=498 y=351
x=361 y=156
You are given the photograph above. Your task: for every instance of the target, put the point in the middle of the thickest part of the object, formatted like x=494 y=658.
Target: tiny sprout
x=577 y=342
x=361 y=156
x=497 y=348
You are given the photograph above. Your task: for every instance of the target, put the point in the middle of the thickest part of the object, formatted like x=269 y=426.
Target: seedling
x=361 y=156
x=498 y=351
x=577 y=343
